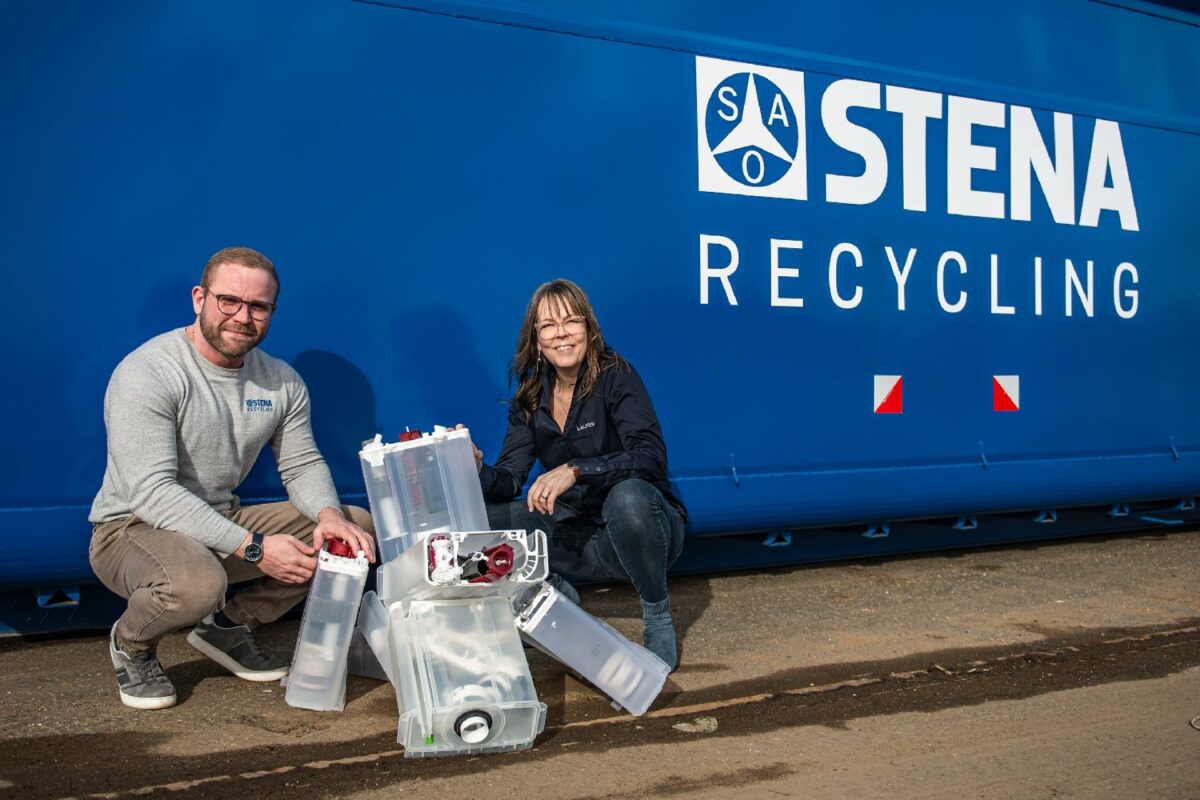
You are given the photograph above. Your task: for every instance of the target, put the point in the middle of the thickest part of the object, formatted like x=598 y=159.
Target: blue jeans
x=639 y=537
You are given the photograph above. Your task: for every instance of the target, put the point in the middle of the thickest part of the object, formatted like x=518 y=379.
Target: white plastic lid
x=348 y=566
x=373 y=452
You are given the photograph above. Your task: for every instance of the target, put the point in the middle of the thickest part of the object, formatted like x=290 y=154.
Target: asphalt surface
x=1069 y=669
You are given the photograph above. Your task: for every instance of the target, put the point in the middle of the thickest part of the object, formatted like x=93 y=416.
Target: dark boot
x=659 y=634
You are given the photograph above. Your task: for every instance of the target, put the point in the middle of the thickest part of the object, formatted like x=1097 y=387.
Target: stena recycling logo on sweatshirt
x=260 y=406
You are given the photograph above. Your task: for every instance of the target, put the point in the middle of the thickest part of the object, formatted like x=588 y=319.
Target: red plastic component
x=336 y=547
x=410 y=472
x=408 y=436
x=499 y=563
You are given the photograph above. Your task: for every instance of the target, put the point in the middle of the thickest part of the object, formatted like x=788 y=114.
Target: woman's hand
x=547 y=488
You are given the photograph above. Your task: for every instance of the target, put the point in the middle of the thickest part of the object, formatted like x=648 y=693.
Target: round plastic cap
x=474 y=728
x=336 y=547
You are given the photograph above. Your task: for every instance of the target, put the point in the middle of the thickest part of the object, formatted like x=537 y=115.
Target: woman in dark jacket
x=604 y=500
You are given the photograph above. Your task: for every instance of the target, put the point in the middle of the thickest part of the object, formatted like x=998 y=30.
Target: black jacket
x=611 y=435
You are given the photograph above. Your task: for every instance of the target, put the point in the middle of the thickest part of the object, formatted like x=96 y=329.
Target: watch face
x=252 y=553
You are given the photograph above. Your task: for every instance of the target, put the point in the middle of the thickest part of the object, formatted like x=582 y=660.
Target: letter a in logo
x=751 y=129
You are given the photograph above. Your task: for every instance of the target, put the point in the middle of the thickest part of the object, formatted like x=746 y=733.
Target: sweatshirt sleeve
x=302 y=468
x=643 y=453
x=141 y=408
x=505 y=479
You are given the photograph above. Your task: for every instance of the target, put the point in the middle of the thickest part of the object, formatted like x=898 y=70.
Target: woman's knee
x=631 y=500
x=498 y=515
x=512 y=515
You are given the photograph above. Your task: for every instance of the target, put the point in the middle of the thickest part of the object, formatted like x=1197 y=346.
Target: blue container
x=875 y=262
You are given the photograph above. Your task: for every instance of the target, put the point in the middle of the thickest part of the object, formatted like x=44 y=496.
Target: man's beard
x=235 y=349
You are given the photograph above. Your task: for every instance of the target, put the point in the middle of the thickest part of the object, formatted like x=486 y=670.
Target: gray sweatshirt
x=183 y=433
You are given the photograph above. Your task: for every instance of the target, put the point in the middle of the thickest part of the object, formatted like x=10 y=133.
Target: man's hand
x=288 y=559
x=547 y=488
x=332 y=524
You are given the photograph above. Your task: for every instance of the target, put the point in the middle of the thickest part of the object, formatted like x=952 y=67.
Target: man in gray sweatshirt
x=187 y=414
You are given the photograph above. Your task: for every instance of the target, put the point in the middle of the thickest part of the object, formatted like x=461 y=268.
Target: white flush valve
x=445 y=570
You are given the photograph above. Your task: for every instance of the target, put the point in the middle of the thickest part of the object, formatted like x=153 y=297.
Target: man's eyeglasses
x=571 y=325
x=229 y=305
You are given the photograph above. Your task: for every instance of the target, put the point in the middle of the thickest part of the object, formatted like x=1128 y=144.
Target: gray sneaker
x=236 y=650
x=140 y=678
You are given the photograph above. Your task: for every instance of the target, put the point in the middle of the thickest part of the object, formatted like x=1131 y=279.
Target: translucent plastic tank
x=362 y=661
x=463 y=684
x=369 y=654
x=317 y=678
x=422 y=484
x=628 y=673
x=384 y=509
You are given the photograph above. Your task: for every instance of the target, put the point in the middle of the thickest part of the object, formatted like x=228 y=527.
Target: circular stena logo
x=752 y=129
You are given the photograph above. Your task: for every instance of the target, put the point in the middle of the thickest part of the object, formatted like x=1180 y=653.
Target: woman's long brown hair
x=527 y=365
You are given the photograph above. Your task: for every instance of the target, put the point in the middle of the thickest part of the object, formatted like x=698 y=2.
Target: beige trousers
x=173 y=581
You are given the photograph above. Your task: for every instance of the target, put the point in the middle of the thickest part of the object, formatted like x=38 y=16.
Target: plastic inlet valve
x=494 y=564
x=442 y=568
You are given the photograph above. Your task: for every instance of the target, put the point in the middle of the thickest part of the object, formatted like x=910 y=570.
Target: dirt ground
x=1065 y=670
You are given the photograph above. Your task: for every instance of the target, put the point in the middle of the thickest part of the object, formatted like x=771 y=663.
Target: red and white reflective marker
x=1006 y=392
x=889 y=394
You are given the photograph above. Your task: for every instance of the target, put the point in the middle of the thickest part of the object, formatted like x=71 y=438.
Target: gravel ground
x=1057 y=670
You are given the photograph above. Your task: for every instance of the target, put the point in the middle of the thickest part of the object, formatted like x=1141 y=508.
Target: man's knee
x=197 y=593
x=273 y=519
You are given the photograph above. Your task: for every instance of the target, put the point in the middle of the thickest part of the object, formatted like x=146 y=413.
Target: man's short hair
x=242 y=256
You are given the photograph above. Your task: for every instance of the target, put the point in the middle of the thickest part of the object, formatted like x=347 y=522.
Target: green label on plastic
x=429 y=739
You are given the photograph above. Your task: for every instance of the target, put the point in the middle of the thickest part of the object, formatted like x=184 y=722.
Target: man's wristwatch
x=575 y=469
x=253 y=551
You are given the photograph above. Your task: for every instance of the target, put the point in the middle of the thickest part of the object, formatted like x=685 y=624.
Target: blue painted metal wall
x=415 y=169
